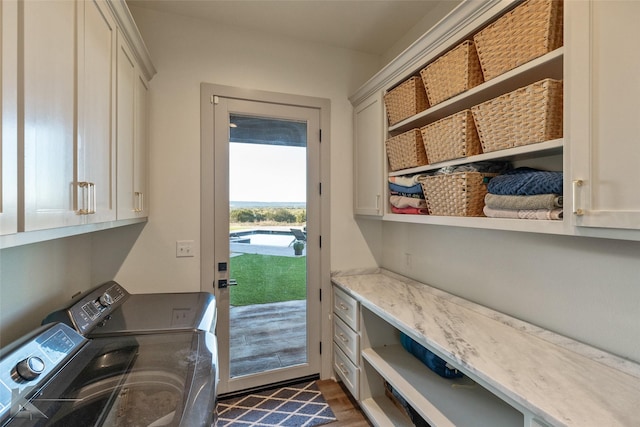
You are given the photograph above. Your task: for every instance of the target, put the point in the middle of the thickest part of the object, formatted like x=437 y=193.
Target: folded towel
x=526 y=182
x=406 y=181
x=407 y=202
x=539 y=201
x=554 y=214
x=413 y=196
x=484 y=167
x=413 y=211
x=414 y=189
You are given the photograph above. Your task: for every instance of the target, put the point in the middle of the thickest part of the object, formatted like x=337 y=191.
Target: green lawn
x=267 y=278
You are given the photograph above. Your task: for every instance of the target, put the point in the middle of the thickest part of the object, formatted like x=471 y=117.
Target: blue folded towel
x=416 y=189
x=526 y=182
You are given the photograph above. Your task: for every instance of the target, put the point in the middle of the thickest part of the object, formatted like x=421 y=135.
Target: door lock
x=224 y=283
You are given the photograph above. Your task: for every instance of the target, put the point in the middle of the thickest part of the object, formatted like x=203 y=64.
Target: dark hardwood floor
x=344 y=407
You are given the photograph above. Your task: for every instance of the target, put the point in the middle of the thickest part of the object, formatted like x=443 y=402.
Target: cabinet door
x=604 y=118
x=48 y=95
x=126 y=77
x=96 y=110
x=369 y=156
x=140 y=148
x=132 y=136
x=8 y=118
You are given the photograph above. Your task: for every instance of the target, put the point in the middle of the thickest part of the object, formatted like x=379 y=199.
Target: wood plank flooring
x=344 y=407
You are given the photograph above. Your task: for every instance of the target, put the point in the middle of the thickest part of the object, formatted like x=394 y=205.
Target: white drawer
x=346 y=307
x=347 y=371
x=347 y=339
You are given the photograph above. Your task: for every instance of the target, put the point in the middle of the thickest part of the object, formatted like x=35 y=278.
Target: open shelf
x=546 y=66
x=509 y=224
x=540 y=149
x=384 y=412
x=441 y=402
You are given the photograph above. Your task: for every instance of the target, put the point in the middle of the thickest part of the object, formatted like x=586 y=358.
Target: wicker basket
x=406 y=150
x=455 y=72
x=527 y=32
x=456 y=194
x=453 y=137
x=525 y=116
x=406 y=100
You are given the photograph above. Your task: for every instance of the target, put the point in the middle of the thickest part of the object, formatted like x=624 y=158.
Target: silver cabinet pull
x=343 y=369
x=576 y=210
x=87 y=198
x=139 y=201
x=343 y=337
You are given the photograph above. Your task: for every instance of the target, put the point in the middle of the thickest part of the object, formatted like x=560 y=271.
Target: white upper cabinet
x=8 y=118
x=369 y=156
x=48 y=123
x=59 y=79
x=96 y=109
x=604 y=114
x=131 y=135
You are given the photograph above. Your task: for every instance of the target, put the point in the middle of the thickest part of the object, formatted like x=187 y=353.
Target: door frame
x=209 y=259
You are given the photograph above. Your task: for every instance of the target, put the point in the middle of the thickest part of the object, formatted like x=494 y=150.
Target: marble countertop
x=560 y=381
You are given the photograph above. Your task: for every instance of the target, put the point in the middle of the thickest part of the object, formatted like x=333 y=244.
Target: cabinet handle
x=343 y=307
x=377 y=202
x=139 y=202
x=92 y=201
x=576 y=210
x=87 y=198
x=343 y=337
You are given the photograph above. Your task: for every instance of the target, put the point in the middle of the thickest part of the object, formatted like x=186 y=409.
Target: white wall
x=186 y=52
x=584 y=288
x=39 y=278
x=439 y=11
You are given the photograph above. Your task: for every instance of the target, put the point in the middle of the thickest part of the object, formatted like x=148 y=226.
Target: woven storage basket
x=454 y=72
x=525 y=116
x=406 y=100
x=453 y=137
x=406 y=150
x=456 y=194
x=527 y=32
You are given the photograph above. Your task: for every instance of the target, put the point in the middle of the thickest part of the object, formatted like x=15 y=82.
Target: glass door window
x=266 y=158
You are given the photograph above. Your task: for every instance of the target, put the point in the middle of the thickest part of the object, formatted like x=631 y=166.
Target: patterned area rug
x=297 y=405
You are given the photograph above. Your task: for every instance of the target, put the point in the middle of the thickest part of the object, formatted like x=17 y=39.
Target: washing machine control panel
x=29 y=362
x=95 y=308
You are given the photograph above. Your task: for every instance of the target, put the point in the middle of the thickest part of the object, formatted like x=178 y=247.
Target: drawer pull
x=343 y=337
x=344 y=307
x=343 y=369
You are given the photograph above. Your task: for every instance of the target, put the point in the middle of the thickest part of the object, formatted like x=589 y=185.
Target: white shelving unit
x=440 y=401
x=461 y=24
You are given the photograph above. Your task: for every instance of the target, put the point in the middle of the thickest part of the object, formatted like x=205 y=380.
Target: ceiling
x=371 y=26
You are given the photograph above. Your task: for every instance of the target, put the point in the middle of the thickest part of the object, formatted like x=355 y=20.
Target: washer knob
x=30 y=368
x=106 y=299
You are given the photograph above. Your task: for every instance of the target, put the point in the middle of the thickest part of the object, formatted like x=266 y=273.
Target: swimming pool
x=263 y=237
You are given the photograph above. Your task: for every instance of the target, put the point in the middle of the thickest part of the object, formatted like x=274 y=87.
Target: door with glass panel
x=266 y=172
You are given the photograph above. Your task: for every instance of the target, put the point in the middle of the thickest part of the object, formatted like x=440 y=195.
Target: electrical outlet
x=408 y=260
x=184 y=248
